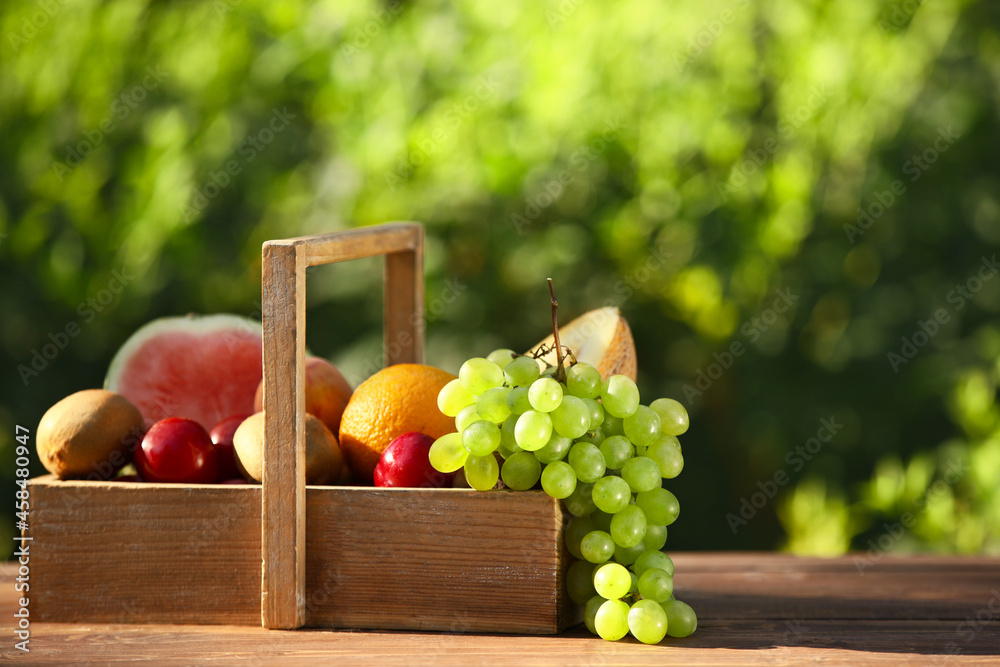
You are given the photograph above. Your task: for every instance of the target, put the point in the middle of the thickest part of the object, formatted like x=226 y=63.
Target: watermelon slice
x=205 y=368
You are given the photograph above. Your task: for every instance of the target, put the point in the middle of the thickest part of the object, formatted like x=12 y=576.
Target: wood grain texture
x=429 y=559
x=783 y=586
x=120 y=552
x=404 y=307
x=731 y=634
x=356 y=243
x=284 y=469
x=436 y=559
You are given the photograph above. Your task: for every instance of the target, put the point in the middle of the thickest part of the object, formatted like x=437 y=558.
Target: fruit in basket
x=600 y=338
x=681 y=619
x=324 y=461
x=177 y=450
x=222 y=437
x=576 y=415
x=203 y=368
x=647 y=621
x=327 y=392
x=396 y=399
x=405 y=463
x=88 y=434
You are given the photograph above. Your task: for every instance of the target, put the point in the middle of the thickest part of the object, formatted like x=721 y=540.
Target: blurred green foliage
x=690 y=162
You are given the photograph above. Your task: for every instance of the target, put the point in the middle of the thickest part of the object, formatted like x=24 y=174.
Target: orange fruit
x=601 y=338
x=395 y=400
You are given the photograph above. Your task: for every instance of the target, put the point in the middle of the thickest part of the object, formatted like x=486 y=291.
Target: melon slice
x=601 y=338
x=205 y=368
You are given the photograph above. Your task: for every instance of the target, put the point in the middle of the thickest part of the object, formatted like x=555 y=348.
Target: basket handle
x=283 y=494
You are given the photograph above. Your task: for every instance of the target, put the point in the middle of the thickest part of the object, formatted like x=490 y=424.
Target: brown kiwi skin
x=324 y=460
x=89 y=434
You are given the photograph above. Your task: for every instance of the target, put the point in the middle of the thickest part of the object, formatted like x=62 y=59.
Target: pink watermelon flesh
x=202 y=368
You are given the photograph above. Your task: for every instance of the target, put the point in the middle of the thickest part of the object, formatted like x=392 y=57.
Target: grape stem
x=560 y=374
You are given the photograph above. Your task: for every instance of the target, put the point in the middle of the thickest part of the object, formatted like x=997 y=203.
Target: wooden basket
x=289 y=555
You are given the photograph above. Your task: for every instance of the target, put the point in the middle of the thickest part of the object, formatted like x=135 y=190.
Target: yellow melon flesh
x=601 y=338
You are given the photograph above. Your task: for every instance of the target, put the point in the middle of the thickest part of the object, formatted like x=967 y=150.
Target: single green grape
x=590 y=610
x=653 y=560
x=580 y=581
x=583 y=381
x=467 y=415
x=612 y=425
x=571 y=418
x=507 y=439
x=641 y=474
x=521 y=372
x=558 y=479
x=647 y=621
x=482 y=472
x=655 y=538
x=666 y=453
x=580 y=502
x=656 y=584
x=627 y=555
x=545 y=394
x=642 y=427
x=673 y=416
x=492 y=404
x=611 y=620
x=521 y=471
x=478 y=375
x=481 y=438
x=612 y=581
x=681 y=619
x=532 y=430
x=448 y=454
x=501 y=357
x=611 y=494
x=596 y=413
x=659 y=505
x=616 y=450
x=597 y=546
x=587 y=462
x=453 y=397
x=620 y=396
x=517 y=400
x=555 y=449
x=576 y=530
x=628 y=526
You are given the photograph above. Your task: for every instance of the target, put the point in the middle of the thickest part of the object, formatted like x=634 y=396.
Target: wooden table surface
x=753 y=608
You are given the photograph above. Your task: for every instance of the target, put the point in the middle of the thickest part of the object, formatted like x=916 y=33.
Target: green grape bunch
x=589 y=442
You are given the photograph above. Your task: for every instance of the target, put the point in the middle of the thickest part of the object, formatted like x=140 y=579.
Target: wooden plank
x=115 y=552
x=404 y=307
x=357 y=243
x=283 y=508
x=451 y=559
x=715 y=643
x=739 y=639
x=774 y=586
x=436 y=559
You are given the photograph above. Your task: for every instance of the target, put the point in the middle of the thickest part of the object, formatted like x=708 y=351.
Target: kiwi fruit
x=89 y=434
x=324 y=461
